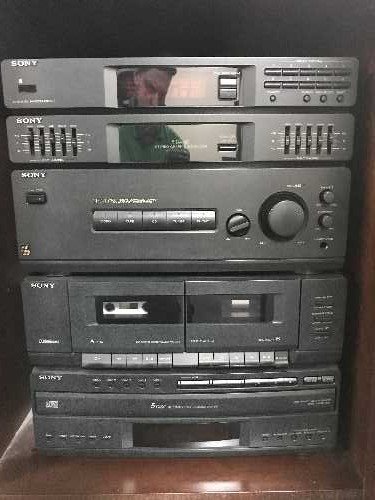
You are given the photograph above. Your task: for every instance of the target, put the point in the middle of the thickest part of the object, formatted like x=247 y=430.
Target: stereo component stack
x=183 y=239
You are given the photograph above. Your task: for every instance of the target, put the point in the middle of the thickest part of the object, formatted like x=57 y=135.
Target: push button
x=104 y=220
x=307 y=71
x=36 y=197
x=272 y=71
x=150 y=360
x=266 y=358
x=129 y=221
x=206 y=358
x=165 y=360
x=221 y=359
x=272 y=85
x=324 y=72
x=201 y=220
x=179 y=221
x=96 y=360
x=307 y=85
x=119 y=360
x=236 y=359
x=290 y=85
x=185 y=359
x=154 y=220
x=227 y=93
x=341 y=85
x=29 y=88
x=281 y=359
x=134 y=360
x=252 y=358
x=290 y=71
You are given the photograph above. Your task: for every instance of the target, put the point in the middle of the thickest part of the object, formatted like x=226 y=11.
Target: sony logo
x=42 y=285
x=50 y=377
x=33 y=175
x=29 y=121
x=23 y=62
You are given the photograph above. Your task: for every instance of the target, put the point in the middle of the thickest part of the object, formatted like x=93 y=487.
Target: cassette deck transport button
x=236 y=358
x=193 y=383
x=150 y=360
x=203 y=219
x=165 y=360
x=134 y=360
x=178 y=221
x=185 y=359
x=266 y=358
x=96 y=360
x=119 y=360
x=272 y=71
x=104 y=220
x=221 y=359
x=328 y=379
x=129 y=221
x=154 y=220
x=310 y=380
x=252 y=358
x=227 y=93
x=206 y=358
x=281 y=359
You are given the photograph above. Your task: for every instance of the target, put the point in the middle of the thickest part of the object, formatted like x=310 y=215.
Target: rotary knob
x=282 y=216
x=238 y=225
x=326 y=221
x=327 y=196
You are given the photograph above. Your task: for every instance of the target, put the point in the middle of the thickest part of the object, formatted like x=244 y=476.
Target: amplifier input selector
x=282 y=216
x=238 y=224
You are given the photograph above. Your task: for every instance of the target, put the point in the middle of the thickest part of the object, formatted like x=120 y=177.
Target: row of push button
x=307 y=85
x=307 y=72
x=186 y=360
x=158 y=220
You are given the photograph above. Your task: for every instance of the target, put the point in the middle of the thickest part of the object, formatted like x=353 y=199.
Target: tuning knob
x=238 y=225
x=282 y=216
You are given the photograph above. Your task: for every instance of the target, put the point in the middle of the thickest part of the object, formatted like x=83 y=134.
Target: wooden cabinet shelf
x=93 y=28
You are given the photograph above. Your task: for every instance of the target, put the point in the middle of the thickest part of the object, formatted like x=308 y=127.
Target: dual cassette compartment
x=116 y=315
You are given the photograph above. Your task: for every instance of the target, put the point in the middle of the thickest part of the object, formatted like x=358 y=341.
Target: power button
x=36 y=197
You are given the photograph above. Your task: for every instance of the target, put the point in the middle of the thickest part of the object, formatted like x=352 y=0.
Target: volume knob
x=282 y=216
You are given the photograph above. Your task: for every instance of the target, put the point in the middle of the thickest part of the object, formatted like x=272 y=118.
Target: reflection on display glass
x=140 y=87
x=179 y=142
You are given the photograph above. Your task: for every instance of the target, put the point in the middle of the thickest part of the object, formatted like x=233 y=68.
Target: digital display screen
x=168 y=86
x=156 y=143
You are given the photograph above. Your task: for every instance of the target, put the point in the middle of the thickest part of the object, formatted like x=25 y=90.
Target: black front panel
x=183 y=381
x=93 y=435
x=185 y=322
x=288 y=222
x=187 y=405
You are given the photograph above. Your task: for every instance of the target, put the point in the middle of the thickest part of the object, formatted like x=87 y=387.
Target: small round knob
x=282 y=216
x=327 y=196
x=326 y=221
x=238 y=225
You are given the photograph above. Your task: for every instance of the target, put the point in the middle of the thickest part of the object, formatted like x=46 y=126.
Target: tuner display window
x=171 y=142
x=154 y=86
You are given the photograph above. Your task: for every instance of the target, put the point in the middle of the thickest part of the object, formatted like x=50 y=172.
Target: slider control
x=74 y=140
x=319 y=140
x=297 y=145
x=329 y=139
x=308 y=139
x=42 y=142
x=63 y=140
x=287 y=139
x=52 y=141
x=31 y=140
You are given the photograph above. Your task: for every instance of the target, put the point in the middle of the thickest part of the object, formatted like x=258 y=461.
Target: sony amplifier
x=132 y=413
x=180 y=138
x=214 y=219
x=172 y=322
x=180 y=82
